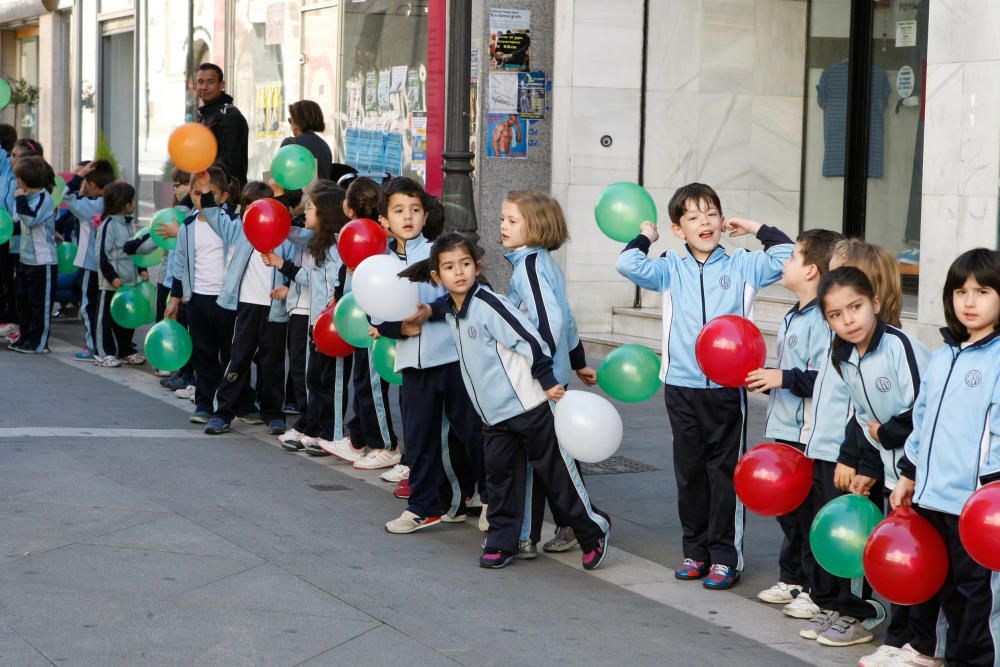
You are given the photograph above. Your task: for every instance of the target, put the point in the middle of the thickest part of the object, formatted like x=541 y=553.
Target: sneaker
x=396 y=474
x=910 y=657
x=56 y=311
x=457 y=517
x=186 y=394
x=291 y=435
x=14 y=337
x=494 y=559
x=780 y=593
x=110 y=362
x=291 y=445
x=276 y=427
x=343 y=449
x=291 y=409
x=593 y=554
x=408 y=522
x=691 y=569
x=801 y=607
x=721 y=577
x=563 y=541
x=135 y=359
x=83 y=355
x=819 y=624
x=216 y=426
x=472 y=502
x=8 y=329
x=24 y=349
x=174 y=382
x=484 y=523
x=526 y=550
x=314 y=449
x=252 y=418
x=846 y=631
x=199 y=417
x=379 y=458
x=402 y=490
x=161 y=374
x=884 y=657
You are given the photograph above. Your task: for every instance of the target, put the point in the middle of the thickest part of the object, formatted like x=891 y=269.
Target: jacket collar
x=215 y=104
x=461 y=314
x=517 y=255
x=411 y=244
x=797 y=309
x=847 y=350
x=716 y=255
x=950 y=340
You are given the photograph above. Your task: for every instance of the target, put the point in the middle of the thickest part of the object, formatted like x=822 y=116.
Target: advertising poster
x=414 y=90
x=371 y=91
x=531 y=95
x=267 y=113
x=418 y=143
x=502 y=93
x=384 y=81
x=507 y=135
x=510 y=39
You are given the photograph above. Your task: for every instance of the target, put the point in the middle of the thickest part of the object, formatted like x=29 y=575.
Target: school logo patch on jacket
x=725 y=282
x=973 y=378
x=883 y=384
x=472 y=332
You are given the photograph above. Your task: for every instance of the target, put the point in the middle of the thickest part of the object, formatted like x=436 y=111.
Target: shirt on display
x=832 y=90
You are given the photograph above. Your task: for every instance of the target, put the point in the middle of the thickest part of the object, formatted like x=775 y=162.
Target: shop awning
x=19 y=10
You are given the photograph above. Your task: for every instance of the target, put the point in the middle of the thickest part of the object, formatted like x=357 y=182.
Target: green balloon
x=65 y=254
x=165 y=216
x=6 y=226
x=59 y=190
x=621 y=209
x=351 y=322
x=152 y=259
x=293 y=167
x=4 y=93
x=168 y=345
x=630 y=373
x=384 y=359
x=128 y=307
x=839 y=532
x=148 y=291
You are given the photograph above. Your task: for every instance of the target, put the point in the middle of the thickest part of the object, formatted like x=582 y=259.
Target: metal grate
x=330 y=487
x=615 y=465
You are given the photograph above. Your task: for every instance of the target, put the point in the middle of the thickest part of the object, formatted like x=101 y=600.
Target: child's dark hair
x=817 y=247
x=420 y=272
x=329 y=205
x=845 y=276
x=253 y=191
x=117 y=196
x=102 y=174
x=179 y=176
x=8 y=137
x=401 y=185
x=33 y=171
x=434 y=224
x=696 y=192
x=363 y=198
x=981 y=264
x=290 y=198
x=219 y=178
x=29 y=147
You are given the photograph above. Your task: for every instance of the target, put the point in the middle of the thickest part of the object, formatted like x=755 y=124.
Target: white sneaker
x=780 y=593
x=379 y=458
x=396 y=474
x=134 y=359
x=187 y=393
x=484 y=524
x=408 y=522
x=308 y=440
x=342 y=449
x=8 y=329
x=801 y=607
x=910 y=657
x=884 y=656
x=453 y=518
x=110 y=362
x=291 y=435
x=161 y=374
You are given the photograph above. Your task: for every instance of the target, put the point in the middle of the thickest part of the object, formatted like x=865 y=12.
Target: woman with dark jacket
x=306 y=119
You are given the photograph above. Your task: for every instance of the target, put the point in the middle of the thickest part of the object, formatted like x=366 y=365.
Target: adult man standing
x=219 y=114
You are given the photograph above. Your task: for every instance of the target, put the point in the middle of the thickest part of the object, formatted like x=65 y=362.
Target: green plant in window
x=23 y=94
x=104 y=151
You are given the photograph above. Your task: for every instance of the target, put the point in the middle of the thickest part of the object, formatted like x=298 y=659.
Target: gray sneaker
x=526 y=550
x=563 y=541
x=846 y=631
x=819 y=624
x=252 y=418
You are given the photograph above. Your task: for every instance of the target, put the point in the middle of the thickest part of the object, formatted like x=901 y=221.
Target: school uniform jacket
x=505 y=363
x=695 y=292
x=803 y=343
x=84 y=209
x=36 y=213
x=538 y=288
x=8 y=186
x=884 y=385
x=322 y=281
x=116 y=248
x=299 y=238
x=183 y=269
x=955 y=444
x=832 y=411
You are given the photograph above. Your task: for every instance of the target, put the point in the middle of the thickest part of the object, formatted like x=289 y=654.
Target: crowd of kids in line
x=876 y=412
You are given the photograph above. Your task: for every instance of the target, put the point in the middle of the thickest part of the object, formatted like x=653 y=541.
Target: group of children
x=861 y=398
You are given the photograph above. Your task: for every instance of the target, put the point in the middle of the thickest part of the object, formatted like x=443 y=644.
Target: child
x=323 y=273
x=881 y=367
x=803 y=343
x=260 y=325
x=707 y=421
x=508 y=374
x=961 y=382
x=115 y=248
x=531 y=226
x=84 y=198
x=8 y=249
x=36 y=272
x=441 y=428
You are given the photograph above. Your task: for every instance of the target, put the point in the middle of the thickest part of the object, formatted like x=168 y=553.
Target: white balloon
x=380 y=291
x=587 y=426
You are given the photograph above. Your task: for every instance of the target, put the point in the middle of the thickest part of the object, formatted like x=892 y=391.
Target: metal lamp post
x=456 y=186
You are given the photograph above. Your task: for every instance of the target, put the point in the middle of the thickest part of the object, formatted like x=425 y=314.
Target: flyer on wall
x=510 y=39
x=531 y=95
x=507 y=135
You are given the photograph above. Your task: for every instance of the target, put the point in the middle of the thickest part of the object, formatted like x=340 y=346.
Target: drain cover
x=329 y=487
x=615 y=465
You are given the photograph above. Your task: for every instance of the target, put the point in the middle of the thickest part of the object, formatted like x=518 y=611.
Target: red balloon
x=325 y=335
x=773 y=479
x=906 y=561
x=266 y=224
x=728 y=348
x=359 y=240
x=979 y=526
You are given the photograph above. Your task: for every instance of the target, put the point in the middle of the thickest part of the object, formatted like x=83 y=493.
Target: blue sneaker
x=200 y=417
x=691 y=569
x=721 y=577
x=84 y=355
x=276 y=427
x=291 y=409
x=216 y=426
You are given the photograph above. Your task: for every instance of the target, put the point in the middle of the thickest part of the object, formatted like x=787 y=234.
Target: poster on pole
x=507 y=136
x=502 y=93
x=531 y=95
x=510 y=39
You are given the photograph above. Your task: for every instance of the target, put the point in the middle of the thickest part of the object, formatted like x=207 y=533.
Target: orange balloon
x=192 y=147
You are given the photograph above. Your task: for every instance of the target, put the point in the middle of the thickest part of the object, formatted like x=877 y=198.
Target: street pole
x=456 y=186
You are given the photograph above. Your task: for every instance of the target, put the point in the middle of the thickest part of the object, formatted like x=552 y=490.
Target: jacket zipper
x=930 y=442
x=704 y=315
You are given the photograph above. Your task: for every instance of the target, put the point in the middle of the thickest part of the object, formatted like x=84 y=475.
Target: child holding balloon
x=955 y=448
x=531 y=226
x=704 y=281
x=508 y=374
